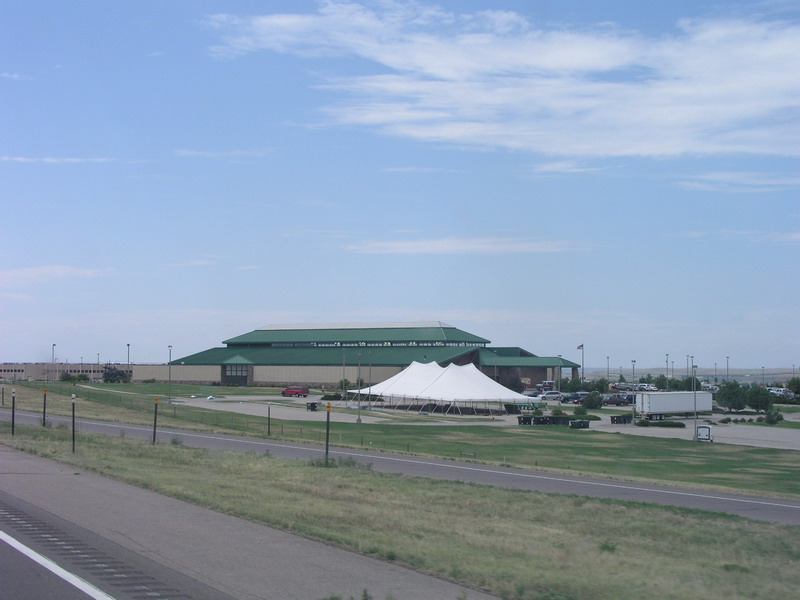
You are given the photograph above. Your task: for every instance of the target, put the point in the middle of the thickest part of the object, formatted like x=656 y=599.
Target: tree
x=793 y=385
x=593 y=401
x=661 y=382
x=759 y=399
x=111 y=374
x=731 y=396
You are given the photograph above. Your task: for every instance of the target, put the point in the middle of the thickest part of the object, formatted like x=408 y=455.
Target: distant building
x=323 y=355
x=369 y=352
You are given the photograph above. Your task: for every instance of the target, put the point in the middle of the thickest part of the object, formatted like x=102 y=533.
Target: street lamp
x=169 y=377
x=666 y=376
x=608 y=368
x=73 y=423
x=13 y=409
x=727 y=369
x=53 y=363
x=129 y=362
x=687 y=366
x=694 y=394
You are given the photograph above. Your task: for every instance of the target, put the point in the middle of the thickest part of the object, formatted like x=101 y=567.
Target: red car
x=295 y=390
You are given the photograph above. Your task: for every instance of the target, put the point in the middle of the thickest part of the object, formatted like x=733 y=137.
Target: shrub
x=645 y=423
x=593 y=401
x=773 y=416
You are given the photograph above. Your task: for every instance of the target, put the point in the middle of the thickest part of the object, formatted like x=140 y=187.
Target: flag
x=580 y=347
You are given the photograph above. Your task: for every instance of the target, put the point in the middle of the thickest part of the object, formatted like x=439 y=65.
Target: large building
x=359 y=352
x=324 y=355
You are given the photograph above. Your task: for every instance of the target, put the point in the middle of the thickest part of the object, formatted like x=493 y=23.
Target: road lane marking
x=80 y=583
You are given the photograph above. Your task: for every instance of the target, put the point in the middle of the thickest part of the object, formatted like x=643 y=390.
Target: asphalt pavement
x=238 y=558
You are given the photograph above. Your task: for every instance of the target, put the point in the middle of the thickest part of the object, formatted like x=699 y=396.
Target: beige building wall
x=318 y=375
x=178 y=373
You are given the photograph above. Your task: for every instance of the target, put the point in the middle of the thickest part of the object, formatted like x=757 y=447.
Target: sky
x=616 y=174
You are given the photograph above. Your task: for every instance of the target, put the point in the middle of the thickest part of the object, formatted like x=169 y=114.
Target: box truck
x=657 y=405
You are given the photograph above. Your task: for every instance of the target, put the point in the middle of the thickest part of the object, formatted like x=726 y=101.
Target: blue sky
x=618 y=174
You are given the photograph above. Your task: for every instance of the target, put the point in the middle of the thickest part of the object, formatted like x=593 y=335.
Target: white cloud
x=492 y=79
x=221 y=154
x=740 y=182
x=564 y=166
x=51 y=160
x=453 y=245
x=26 y=277
x=745 y=235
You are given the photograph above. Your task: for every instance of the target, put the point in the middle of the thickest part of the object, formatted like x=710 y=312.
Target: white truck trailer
x=657 y=405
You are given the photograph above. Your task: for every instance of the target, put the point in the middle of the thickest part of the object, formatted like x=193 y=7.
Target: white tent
x=431 y=383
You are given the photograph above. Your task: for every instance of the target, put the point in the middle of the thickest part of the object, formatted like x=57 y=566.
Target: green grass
x=518 y=545
x=734 y=468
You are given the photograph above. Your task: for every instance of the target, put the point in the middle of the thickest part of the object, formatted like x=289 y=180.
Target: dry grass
x=519 y=545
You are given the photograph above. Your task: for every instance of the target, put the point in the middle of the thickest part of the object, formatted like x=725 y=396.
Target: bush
x=773 y=416
x=645 y=423
x=593 y=401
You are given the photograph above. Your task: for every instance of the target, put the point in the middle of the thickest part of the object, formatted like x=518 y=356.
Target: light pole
x=763 y=378
x=666 y=376
x=694 y=394
x=52 y=363
x=687 y=366
x=608 y=368
x=129 y=362
x=727 y=369
x=73 y=423
x=169 y=377
x=358 y=385
x=13 y=409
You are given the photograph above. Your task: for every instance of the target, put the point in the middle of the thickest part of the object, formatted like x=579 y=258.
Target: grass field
x=713 y=466
x=518 y=545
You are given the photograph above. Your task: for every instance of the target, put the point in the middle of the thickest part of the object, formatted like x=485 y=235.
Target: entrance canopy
x=453 y=383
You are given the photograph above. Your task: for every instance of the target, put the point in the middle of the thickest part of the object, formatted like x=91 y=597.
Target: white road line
x=83 y=585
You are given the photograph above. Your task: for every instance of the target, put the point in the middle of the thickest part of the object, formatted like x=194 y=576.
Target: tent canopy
x=453 y=383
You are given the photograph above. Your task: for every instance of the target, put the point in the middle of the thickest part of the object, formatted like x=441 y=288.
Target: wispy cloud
x=29 y=276
x=745 y=235
x=201 y=262
x=454 y=245
x=740 y=182
x=421 y=170
x=564 y=166
x=53 y=160
x=494 y=79
x=225 y=154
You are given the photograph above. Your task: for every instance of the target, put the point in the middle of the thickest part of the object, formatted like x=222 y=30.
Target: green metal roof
x=507 y=357
x=428 y=333
x=308 y=356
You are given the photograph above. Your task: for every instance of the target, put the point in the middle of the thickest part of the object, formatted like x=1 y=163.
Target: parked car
x=295 y=390
x=617 y=400
x=581 y=397
x=551 y=395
